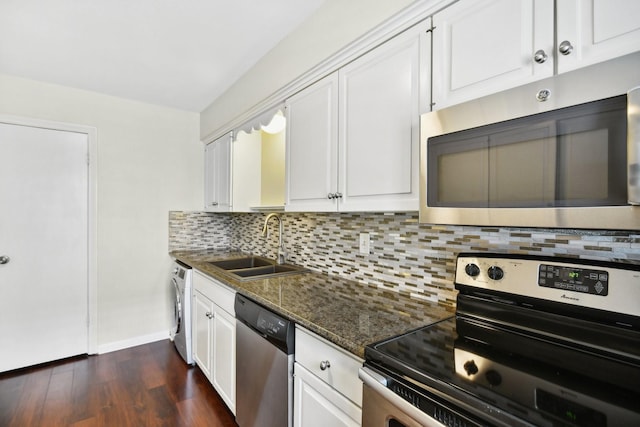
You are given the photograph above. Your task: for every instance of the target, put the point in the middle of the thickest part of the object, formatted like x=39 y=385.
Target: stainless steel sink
x=242 y=263
x=254 y=267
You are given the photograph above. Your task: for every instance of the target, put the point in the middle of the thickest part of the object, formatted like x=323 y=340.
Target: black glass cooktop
x=495 y=368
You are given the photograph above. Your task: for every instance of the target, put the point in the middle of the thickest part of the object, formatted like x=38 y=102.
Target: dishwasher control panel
x=276 y=329
x=272 y=325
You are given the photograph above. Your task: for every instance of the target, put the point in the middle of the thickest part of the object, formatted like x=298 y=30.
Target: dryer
x=181 y=286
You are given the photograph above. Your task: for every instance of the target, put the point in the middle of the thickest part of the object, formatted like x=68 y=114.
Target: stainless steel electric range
x=535 y=341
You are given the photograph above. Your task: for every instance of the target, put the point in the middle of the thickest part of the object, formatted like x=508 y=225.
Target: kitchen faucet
x=282 y=254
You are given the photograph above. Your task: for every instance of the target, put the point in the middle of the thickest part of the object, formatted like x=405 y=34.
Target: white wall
x=332 y=27
x=149 y=162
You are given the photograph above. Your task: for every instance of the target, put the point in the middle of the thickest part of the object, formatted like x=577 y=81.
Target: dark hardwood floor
x=148 y=385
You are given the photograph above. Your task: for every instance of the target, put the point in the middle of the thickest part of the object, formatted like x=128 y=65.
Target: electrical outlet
x=365 y=243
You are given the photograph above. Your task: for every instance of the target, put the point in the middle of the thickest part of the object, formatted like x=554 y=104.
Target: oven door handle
x=378 y=383
x=633 y=146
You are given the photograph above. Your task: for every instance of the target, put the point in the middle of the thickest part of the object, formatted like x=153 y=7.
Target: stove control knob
x=472 y=270
x=470 y=367
x=493 y=377
x=495 y=273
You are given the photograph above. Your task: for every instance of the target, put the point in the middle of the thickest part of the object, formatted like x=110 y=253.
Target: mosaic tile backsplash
x=405 y=255
x=198 y=230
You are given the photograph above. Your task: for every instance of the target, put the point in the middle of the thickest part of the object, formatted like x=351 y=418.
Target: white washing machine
x=181 y=284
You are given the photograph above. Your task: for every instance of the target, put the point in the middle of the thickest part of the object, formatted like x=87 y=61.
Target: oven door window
x=575 y=156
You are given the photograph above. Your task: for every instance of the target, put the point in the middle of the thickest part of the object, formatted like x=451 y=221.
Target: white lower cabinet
x=319 y=405
x=202 y=332
x=224 y=356
x=327 y=390
x=214 y=335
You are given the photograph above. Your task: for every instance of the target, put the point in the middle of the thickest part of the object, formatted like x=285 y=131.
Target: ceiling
x=176 y=53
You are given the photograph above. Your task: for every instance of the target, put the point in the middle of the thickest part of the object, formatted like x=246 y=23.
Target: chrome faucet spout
x=282 y=254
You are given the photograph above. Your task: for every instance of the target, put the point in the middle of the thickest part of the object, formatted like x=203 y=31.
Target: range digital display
x=573 y=279
x=568 y=411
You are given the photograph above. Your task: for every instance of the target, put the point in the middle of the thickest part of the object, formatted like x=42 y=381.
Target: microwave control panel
x=584 y=280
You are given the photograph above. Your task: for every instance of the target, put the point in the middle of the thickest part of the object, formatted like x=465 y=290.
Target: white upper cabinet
x=353 y=136
x=486 y=46
x=382 y=95
x=597 y=30
x=217 y=172
x=259 y=166
x=312 y=147
x=246 y=170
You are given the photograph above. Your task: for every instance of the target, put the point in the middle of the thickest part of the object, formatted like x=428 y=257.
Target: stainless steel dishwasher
x=264 y=366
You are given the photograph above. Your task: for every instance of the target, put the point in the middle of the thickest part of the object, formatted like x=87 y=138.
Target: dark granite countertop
x=347 y=313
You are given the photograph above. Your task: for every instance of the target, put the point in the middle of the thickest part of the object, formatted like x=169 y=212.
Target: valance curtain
x=258 y=121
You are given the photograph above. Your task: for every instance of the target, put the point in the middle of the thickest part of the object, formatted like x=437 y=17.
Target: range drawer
x=341 y=371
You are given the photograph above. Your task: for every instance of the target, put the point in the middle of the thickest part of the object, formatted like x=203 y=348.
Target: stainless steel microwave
x=513 y=160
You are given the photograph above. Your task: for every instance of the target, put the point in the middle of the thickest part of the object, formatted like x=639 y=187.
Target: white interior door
x=44 y=236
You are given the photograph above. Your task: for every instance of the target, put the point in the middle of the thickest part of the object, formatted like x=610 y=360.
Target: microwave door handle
x=633 y=146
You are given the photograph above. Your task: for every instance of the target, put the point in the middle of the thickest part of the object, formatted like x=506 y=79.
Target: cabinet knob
x=4 y=259
x=209 y=314
x=543 y=95
x=565 y=47
x=331 y=196
x=338 y=195
x=540 y=56
x=324 y=365
x=214 y=203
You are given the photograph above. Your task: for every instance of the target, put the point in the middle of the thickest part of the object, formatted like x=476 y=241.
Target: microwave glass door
x=571 y=157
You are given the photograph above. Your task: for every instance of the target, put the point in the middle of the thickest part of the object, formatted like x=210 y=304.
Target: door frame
x=92 y=210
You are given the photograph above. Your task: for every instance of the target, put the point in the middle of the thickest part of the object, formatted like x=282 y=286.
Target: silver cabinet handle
x=540 y=56
x=565 y=47
x=214 y=203
x=324 y=365
x=338 y=195
x=209 y=314
x=4 y=259
x=331 y=196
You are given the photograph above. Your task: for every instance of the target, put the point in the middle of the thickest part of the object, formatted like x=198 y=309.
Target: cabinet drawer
x=317 y=404
x=221 y=295
x=342 y=372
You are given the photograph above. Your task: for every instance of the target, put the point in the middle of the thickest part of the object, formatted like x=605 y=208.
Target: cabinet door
x=312 y=147
x=318 y=405
x=224 y=357
x=217 y=170
x=597 y=30
x=202 y=332
x=486 y=46
x=381 y=97
x=246 y=171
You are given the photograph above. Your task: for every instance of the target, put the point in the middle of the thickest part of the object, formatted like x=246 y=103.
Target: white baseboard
x=132 y=342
